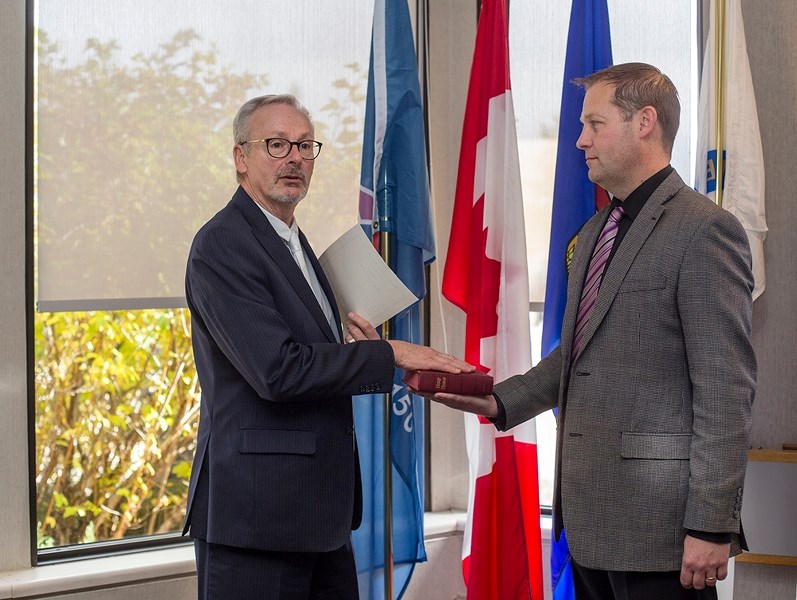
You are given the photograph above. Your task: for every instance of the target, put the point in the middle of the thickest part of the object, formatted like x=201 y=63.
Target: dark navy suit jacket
x=276 y=460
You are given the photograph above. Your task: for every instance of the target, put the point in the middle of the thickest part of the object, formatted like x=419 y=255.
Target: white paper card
x=361 y=280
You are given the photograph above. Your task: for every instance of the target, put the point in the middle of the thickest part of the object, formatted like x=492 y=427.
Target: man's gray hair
x=241 y=126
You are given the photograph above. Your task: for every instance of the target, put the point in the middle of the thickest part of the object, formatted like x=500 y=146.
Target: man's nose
x=294 y=155
x=583 y=140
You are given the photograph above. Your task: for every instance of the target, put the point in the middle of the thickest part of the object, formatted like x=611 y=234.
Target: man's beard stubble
x=287 y=199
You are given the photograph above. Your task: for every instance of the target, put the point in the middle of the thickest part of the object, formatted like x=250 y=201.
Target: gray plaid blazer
x=655 y=411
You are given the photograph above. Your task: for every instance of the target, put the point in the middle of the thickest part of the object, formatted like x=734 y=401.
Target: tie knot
x=617 y=214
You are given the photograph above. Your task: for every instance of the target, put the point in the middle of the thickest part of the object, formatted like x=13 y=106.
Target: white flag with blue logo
x=743 y=189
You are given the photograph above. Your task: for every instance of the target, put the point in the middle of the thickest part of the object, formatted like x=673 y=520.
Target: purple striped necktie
x=592 y=283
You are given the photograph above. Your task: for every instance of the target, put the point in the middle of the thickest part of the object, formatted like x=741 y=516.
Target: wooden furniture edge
x=766 y=559
x=773 y=455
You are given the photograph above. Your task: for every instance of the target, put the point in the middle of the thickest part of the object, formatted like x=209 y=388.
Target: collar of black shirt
x=636 y=199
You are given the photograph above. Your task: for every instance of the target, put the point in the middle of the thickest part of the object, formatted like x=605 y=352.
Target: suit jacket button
x=378 y=387
x=350 y=429
x=363 y=389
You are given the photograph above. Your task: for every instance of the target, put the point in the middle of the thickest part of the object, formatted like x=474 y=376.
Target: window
x=117 y=405
x=133 y=139
x=537 y=40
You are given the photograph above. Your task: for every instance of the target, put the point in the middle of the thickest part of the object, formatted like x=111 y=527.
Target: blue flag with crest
x=575 y=200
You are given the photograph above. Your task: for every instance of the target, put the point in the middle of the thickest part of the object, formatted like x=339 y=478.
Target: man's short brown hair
x=637 y=85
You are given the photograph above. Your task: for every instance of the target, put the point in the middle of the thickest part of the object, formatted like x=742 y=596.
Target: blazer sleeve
x=715 y=307
x=248 y=308
x=532 y=393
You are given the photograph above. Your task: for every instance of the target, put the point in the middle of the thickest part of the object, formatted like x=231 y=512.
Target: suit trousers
x=230 y=573
x=592 y=584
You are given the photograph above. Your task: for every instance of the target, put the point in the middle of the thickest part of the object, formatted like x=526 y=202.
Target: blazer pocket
x=656 y=446
x=276 y=441
x=642 y=285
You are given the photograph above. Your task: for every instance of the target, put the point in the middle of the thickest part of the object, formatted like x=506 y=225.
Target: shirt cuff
x=500 y=420
x=710 y=536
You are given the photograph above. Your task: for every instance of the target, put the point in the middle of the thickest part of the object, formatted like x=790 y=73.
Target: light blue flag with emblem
x=394 y=198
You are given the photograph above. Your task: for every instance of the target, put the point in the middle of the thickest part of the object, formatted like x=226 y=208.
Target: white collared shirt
x=286 y=233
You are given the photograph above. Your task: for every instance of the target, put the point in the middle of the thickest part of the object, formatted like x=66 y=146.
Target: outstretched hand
x=407 y=356
x=414 y=357
x=485 y=406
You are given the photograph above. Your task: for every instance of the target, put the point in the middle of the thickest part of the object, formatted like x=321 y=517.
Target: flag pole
x=384 y=247
x=719 y=86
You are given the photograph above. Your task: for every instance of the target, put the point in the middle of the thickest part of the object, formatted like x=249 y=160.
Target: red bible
x=472 y=384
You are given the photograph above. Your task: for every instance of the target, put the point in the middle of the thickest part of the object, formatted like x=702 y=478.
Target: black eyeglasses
x=280 y=147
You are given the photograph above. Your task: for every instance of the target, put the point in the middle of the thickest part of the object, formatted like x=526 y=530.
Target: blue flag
x=394 y=198
x=575 y=200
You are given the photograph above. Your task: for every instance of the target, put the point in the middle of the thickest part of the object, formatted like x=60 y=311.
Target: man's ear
x=239 y=157
x=648 y=117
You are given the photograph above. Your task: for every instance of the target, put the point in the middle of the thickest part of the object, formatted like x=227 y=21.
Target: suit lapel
x=632 y=243
x=276 y=248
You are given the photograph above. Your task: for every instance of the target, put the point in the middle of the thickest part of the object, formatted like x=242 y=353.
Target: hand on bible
x=407 y=356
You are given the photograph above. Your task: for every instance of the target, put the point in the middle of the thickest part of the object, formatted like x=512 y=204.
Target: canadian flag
x=487 y=277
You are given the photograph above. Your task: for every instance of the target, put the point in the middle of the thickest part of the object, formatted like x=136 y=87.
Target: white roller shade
x=135 y=101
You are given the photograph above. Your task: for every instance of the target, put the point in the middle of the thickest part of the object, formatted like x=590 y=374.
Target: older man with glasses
x=275 y=487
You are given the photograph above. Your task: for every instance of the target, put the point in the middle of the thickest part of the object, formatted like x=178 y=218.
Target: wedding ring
x=712 y=579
